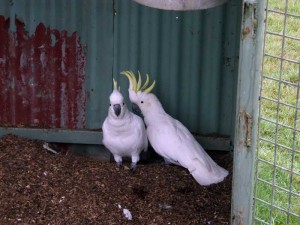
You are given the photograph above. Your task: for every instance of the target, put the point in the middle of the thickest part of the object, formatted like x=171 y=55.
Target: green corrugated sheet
x=192 y=55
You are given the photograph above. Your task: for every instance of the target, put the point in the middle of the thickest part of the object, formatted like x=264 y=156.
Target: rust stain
x=246 y=31
x=249 y=122
x=41 y=77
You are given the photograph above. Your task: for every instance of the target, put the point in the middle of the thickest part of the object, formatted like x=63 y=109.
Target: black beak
x=117 y=109
x=136 y=109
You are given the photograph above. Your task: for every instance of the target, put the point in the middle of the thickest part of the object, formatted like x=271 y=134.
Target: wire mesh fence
x=277 y=191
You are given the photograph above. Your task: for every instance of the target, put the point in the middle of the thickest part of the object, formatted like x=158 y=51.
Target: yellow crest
x=137 y=84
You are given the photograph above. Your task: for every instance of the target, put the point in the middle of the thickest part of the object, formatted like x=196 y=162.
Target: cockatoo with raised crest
x=124 y=133
x=169 y=137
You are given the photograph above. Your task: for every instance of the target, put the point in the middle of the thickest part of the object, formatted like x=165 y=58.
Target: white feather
x=127 y=214
x=173 y=141
x=124 y=135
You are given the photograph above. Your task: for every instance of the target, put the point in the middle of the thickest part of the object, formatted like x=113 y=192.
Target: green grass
x=283 y=121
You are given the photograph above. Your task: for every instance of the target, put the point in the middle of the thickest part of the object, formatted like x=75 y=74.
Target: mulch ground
x=38 y=187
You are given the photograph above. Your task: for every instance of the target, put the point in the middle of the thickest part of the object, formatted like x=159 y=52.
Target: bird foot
x=119 y=164
x=133 y=167
x=167 y=161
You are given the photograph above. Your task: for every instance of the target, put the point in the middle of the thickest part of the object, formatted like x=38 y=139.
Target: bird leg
x=118 y=160
x=134 y=160
x=119 y=164
x=133 y=166
x=167 y=161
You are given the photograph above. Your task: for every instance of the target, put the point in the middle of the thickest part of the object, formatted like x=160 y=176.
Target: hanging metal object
x=181 y=5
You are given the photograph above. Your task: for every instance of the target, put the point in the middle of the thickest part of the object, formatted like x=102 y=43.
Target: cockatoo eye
x=109 y=104
x=142 y=102
x=123 y=103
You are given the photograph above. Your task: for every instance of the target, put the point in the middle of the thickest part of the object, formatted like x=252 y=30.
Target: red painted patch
x=41 y=77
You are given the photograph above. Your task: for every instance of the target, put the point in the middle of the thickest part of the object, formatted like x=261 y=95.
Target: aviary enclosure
x=58 y=58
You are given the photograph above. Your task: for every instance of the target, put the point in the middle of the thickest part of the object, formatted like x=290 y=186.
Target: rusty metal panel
x=42 y=77
x=55 y=63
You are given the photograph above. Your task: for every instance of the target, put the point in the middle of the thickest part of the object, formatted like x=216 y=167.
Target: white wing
x=138 y=126
x=172 y=140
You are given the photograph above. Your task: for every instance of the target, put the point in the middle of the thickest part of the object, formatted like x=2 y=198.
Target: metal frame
x=57 y=135
x=94 y=137
x=247 y=112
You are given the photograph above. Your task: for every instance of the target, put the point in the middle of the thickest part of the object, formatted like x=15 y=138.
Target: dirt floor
x=39 y=187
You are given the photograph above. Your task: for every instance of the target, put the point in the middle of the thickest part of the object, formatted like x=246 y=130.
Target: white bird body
x=124 y=137
x=124 y=133
x=171 y=139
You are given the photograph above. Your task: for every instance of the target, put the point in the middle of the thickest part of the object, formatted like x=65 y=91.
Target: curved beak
x=136 y=109
x=117 y=109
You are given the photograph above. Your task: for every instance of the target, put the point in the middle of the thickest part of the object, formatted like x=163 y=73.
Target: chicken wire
x=277 y=189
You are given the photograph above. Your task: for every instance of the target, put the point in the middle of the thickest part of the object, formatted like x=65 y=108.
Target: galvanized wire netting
x=277 y=191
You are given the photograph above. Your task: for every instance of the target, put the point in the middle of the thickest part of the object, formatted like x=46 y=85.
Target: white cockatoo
x=124 y=133
x=170 y=138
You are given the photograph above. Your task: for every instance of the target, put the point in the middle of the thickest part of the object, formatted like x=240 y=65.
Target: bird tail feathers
x=207 y=175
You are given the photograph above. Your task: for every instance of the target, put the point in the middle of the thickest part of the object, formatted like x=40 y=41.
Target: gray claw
x=133 y=167
x=119 y=164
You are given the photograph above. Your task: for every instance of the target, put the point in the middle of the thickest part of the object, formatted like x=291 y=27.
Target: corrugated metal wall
x=192 y=55
x=60 y=57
